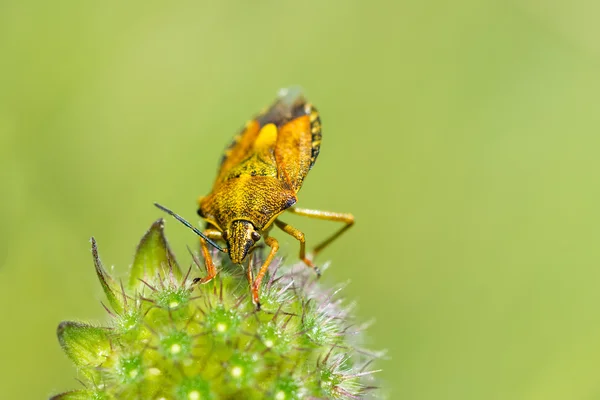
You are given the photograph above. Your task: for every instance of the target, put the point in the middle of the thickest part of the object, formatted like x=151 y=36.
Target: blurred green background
x=463 y=136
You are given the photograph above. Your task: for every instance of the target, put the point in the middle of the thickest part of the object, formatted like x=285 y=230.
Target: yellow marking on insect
x=266 y=138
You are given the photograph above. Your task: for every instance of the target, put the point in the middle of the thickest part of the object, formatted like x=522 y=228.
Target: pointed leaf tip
x=86 y=345
x=108 y=284
x=153 y=255
x=75 y=395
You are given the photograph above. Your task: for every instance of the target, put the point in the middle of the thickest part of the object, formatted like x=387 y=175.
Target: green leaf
x=86 y=345
x=78 y=395
x=109 y=286
x=153 y=257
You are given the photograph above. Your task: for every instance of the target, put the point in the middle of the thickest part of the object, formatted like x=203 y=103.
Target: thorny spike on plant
x=169 y=338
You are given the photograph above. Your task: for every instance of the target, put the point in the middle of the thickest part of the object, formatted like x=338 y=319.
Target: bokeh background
x=463 y=135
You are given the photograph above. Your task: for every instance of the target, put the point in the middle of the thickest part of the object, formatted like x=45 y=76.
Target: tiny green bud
x=222 y=323
x=130 y=369
x=176 y=345
x=194 y=388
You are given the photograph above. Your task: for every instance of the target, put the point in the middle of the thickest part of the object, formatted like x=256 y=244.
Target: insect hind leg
x=299 y=236
x=346 y=218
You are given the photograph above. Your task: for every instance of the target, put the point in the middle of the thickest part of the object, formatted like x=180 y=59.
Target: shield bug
x=259 y=177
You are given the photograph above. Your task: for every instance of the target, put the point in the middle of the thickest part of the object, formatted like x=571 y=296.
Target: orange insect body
x=260 y=174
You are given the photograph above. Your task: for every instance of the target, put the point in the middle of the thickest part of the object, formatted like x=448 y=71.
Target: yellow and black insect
x=260 y=175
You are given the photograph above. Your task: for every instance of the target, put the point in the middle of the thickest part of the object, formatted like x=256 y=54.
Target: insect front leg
x=211 y=271
x=298 y=235
x=274 y=245
x=346 y=218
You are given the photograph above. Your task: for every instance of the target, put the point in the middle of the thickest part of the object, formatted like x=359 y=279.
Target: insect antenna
x=196 y=230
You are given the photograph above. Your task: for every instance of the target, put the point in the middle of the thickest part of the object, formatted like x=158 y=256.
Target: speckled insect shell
x=265 y=165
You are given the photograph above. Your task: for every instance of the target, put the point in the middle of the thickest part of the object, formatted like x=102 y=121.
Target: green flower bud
x=170 y=338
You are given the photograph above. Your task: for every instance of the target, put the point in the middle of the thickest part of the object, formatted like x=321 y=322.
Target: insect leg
x=299 y=236
x=346 y=218
x=211 y=271
x=274 y=245
x=249 y=273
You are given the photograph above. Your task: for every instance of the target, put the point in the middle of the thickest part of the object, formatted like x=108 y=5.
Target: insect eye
x=255 y=236
x=200 y=213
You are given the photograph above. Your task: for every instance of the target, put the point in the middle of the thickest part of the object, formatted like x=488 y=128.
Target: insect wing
x=298 y=138
x=240 y=149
